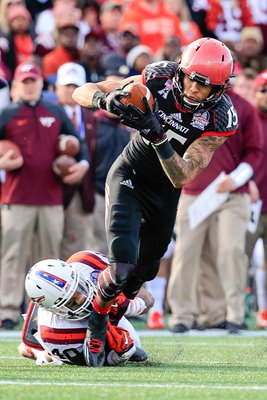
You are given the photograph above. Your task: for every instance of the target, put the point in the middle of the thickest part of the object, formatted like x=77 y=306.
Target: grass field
x=179 y=367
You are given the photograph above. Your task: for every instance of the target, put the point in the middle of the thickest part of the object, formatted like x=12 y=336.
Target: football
x=137 y=92
x=62 y=164
x=69 y=145
x=6 y=145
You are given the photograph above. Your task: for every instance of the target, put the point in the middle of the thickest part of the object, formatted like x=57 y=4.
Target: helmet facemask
x=67 y=308
x=192 y=105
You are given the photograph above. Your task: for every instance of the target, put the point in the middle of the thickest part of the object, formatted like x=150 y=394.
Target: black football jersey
x=181 y=127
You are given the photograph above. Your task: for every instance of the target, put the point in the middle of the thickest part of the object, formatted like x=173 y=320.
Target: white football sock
x=157 y=288
x=261 y=288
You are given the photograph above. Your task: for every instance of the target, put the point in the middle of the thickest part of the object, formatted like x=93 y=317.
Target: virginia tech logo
x=47 y=121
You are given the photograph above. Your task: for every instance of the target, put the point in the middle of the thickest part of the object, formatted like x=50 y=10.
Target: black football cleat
x=94 y=343
x=139 y=355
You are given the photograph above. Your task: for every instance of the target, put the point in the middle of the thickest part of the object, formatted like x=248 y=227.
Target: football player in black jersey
x=176 y=141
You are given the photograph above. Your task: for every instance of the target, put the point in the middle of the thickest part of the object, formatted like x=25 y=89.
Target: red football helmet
x=209 y=62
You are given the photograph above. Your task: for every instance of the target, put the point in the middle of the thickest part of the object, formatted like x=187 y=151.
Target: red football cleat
x=262 y=319
x=155 y=320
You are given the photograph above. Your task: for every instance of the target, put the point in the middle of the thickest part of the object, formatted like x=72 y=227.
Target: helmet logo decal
x=200 y=120
x=94 y=276
x=51 y=278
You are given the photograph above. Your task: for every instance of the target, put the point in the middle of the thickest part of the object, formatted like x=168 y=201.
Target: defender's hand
x=118 y=339
x=118 y=308
x=121 y=345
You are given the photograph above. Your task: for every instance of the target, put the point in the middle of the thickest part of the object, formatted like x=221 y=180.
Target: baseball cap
x=136 y=52
x=27 y=70
x=122 y=72
x=260 y=80
x=71 y=74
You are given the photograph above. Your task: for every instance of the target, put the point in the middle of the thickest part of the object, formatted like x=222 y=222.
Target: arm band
x=163 y=150
x=241 y=174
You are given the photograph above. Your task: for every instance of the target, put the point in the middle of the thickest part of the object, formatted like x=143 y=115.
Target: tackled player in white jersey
x=56 y=321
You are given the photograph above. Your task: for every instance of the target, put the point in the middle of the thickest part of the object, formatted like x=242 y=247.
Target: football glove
x=147 y=122
x=121 y=345
x=118 y=308
x=111 y=101
x=118 y=339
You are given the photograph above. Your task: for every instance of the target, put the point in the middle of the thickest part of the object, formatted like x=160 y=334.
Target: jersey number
x=67 y=354
x=173 y=135
x=232 y=117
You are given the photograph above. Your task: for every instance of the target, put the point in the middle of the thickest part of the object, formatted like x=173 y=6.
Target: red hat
x=27 y=70
x=260 y=80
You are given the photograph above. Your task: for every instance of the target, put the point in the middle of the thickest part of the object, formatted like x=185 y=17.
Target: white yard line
x=134 y=385
x=165 y=333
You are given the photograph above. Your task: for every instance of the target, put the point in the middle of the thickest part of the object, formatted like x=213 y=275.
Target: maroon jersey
x=181 y=127
x=245 y=146
x=35 y=129
x=261 y=175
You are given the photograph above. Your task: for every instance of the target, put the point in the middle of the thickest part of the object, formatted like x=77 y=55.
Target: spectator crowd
x=48 y=48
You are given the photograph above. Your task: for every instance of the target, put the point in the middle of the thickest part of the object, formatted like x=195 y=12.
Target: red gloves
x=118 y=308
x=118 y=339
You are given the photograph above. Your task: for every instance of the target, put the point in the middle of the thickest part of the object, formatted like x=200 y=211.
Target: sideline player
x=57 y=317
x=176 y=141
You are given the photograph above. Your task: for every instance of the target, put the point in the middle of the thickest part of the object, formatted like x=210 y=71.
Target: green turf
x=179 y=368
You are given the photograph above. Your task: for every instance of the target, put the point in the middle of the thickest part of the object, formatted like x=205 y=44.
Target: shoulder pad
x=166 y=69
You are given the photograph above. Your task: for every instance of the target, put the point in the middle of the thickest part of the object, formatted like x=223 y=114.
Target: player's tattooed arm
x=181 y=171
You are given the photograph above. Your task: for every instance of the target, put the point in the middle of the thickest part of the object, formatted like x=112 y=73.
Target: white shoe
x=114 y=358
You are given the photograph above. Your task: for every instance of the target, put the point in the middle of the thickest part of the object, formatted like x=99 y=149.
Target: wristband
x=163 y=149
x=241 y=174
x=100 y=310
x=97 y=100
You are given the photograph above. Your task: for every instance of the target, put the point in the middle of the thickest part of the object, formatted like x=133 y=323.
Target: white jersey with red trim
x=64 y=339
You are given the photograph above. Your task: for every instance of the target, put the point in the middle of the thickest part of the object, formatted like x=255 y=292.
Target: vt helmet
x=55 y=286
